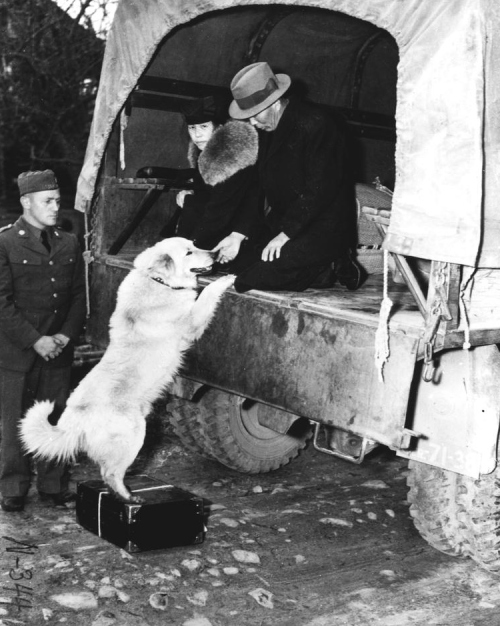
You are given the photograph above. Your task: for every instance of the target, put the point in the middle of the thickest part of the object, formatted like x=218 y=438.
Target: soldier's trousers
x=18 y=392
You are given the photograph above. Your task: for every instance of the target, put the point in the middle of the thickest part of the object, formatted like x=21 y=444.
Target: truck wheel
x=185 y=423
x=433 y=506
x=237 y=440
x=479 y=518
x=457 y=514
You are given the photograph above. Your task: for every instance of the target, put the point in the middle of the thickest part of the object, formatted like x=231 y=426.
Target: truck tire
x=433 y=506
x=184 y=418
x=236 y=439
x=479 y=518
x=457 y=514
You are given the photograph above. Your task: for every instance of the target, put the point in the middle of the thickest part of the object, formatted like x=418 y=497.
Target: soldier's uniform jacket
x=41 y=293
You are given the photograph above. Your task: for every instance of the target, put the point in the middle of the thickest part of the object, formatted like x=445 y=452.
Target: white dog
x=157 y=317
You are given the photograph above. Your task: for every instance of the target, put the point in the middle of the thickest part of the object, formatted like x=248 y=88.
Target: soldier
x=42 y=310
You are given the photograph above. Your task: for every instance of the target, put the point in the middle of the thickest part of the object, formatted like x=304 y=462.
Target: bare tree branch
x=49 y=71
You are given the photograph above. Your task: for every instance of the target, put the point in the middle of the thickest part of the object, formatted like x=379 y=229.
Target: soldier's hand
x=61 y=339
x=48 y=347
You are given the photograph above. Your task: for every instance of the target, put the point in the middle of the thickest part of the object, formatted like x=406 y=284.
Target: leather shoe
x=12 y=504
x=349 y=273
x=325 y=279
x=63 y=498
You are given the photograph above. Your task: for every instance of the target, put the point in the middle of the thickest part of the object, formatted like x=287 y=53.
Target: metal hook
x=429 y=368
x=428 y=371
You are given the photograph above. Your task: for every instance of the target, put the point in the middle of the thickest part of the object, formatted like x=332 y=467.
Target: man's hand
x=180 y=197
x=229 y=247
x=273 y=249
x=49 y=347
x=61 y=339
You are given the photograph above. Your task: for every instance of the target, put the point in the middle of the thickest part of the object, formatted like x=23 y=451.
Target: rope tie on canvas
x=465 y=292
x=123 y=126
x=382 y=349
x=87 y=258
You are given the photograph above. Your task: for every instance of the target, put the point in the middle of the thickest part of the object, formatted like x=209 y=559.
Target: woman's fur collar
x=232 y=147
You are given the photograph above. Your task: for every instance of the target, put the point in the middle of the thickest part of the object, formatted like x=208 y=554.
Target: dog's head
x=175 y=262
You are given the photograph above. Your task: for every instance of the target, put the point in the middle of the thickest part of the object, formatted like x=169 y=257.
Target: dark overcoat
x=226 y=199
x=302 y=172
x=41 y=293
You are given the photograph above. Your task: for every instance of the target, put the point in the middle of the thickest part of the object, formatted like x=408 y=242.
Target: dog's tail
x=39 y=437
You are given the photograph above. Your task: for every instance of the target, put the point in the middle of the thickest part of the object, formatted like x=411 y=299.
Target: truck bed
x=310 y=353
x=362 y=305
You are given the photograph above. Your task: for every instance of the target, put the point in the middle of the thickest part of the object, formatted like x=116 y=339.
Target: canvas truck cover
x=447 y=117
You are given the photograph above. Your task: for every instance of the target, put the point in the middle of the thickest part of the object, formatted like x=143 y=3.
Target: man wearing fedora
x=301 y=166
x=42 y=310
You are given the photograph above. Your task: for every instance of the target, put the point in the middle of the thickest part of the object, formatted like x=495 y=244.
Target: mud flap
x=458 y=413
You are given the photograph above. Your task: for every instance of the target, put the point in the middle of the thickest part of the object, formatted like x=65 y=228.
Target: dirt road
x=317 y=543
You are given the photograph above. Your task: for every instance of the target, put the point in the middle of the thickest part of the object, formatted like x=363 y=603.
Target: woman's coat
x=226 y=199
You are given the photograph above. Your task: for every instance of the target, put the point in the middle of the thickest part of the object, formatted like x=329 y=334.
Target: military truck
x=409 y=360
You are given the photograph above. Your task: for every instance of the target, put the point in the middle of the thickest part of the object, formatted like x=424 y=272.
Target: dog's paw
x=125 y=495
x=130 y=499
x=136 y=500
x=217 y=288
x=226 y=281
x=208 y=301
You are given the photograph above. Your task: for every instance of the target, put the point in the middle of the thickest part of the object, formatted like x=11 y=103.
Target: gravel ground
x=317 y=543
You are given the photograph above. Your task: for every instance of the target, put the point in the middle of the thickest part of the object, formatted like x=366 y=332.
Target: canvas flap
x=448 y=112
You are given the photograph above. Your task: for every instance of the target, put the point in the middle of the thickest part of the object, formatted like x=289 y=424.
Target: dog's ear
x=145 y=259
x=151 y=259
x=167 y=262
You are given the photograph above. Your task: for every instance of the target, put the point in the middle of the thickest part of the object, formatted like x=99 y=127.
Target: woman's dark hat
x=33 y=181
x=207 y=109
x=255 y=88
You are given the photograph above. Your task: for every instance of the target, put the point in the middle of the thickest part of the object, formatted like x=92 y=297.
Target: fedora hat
x=255 y=88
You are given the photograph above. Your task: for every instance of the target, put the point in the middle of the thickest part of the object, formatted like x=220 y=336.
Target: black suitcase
x=168 y=517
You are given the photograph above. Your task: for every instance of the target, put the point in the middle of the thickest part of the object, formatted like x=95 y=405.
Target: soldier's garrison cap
x=32 y=181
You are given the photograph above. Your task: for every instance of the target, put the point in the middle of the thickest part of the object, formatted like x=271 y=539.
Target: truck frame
x=408 y=361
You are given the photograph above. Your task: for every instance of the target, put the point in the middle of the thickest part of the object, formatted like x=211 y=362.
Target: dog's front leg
x=206 y=304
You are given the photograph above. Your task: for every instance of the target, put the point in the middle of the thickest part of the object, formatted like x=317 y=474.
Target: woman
x=222 y=213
